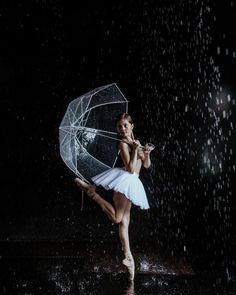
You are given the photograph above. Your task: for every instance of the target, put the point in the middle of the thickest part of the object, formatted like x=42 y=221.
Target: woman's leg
x=120 y=214
x=124 y=238
x=124 y=227
x=114 y=214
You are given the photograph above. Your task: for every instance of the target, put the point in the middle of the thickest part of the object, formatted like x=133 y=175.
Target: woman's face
x=124 y=128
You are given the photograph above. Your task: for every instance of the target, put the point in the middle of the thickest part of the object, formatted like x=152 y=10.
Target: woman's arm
x=129 y=159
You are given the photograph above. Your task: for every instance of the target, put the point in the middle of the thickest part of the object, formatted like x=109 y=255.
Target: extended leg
x=114 y=214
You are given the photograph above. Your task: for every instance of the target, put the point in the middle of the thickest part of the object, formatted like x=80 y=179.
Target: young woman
x=125 y=183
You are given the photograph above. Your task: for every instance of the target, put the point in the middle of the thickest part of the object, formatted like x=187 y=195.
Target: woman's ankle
x=128 y=253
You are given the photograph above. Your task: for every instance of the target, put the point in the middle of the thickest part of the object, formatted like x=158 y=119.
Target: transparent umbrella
x=87 y=133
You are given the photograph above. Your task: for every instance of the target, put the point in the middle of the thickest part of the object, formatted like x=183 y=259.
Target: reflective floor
x=71 y=267
x=64 y=276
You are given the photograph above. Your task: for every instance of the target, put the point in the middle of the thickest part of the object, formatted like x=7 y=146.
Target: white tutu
x=127 y=183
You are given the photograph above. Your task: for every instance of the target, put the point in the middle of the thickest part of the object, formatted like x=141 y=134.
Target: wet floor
x=64 y=276
x=87 y=268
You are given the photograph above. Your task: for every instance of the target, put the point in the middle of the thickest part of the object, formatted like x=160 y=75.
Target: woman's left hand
x=147 y=149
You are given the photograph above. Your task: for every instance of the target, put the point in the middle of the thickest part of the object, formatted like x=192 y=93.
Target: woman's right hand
x=135 y=144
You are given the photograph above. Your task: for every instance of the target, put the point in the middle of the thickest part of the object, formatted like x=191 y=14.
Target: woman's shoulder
x=124 y=143
x=124 y=147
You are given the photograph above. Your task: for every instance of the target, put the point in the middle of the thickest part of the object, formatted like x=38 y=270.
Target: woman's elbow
x=146 y=166
x=131 y=169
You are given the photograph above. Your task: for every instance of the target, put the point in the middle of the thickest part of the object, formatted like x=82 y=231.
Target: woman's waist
x=134 y=172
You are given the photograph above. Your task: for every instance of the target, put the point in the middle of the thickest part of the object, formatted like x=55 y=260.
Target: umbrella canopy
x=87 y=133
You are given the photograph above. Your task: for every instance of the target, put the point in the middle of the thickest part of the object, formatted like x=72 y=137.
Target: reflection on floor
x=100 y=257
x=64 y=276
x=74 y=268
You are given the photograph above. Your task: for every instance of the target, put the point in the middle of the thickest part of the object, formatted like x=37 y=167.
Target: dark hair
x=125 y=116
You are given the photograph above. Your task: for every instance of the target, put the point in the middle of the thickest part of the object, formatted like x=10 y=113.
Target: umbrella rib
x=90 y=98
x=103 y=135
x=93 y=156
x=93 y=130
x=123 y=97
x=98 y=105
x=73 y=114
x=72 y=134
x=102 y=88
x=76 y=138
x=75 y=170
x=68 y=128
x=106 y=103
x=90 y=130
x=64 y=142
x=87 y=114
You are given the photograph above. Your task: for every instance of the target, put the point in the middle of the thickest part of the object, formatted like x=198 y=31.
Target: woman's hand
x=135 y=144
x=147 y=149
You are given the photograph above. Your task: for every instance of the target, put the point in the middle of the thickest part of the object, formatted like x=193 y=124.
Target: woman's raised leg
x=114 y=214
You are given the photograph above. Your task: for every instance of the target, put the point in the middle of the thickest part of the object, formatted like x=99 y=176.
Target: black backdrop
x=175 y=62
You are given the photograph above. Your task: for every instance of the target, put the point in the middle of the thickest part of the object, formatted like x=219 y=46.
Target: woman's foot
x=129 y=263
x=89 y=189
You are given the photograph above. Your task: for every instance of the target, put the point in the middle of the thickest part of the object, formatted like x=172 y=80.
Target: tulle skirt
x=122 y=181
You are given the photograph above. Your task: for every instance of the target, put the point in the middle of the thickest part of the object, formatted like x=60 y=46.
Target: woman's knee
x=118 y=219
x=125 y=220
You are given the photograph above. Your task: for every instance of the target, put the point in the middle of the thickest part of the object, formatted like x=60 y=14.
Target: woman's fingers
x=147 y=148
x=135 y=144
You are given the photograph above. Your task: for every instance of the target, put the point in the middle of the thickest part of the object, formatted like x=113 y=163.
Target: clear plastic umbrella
x=87 y=133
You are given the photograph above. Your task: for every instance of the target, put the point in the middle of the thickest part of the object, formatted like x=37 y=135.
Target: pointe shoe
x=129 y=263
x=89 y=189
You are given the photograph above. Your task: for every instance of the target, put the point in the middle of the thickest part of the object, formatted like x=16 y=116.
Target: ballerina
x=125 y=183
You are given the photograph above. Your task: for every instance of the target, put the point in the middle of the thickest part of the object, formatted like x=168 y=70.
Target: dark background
x=175 y=61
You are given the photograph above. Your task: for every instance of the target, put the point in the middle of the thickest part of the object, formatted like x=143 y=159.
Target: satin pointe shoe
x=89 y=189
x=129 y=263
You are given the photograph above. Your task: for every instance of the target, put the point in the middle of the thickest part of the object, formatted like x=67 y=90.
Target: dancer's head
x=125 y=125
